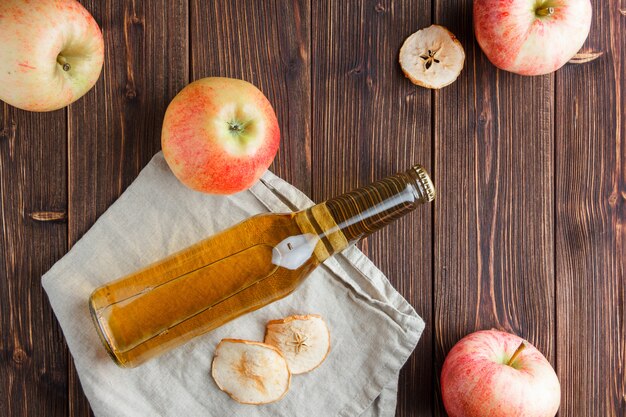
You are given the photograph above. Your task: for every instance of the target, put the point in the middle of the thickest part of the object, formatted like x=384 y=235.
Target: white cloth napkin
x=373 y=329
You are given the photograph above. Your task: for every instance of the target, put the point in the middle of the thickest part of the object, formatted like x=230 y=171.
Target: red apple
x=51 y=53
x=220 y=135
x=531 y=37
x=497 y=374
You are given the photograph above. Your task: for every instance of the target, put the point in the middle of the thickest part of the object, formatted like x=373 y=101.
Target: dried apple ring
x=303 y=340
x=250 y=372
x=432 y=57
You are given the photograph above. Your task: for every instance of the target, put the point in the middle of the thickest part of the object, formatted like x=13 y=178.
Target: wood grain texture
x=266 y=43
x=591 y=223
x=33 y=178
x=527 y=233
x=494 y=240
x=116 y=128
x=370 y=122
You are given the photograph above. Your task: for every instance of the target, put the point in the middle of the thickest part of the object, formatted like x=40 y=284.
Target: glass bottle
x=241 y=269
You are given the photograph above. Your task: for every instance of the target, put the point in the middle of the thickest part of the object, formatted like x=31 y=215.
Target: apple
x=497 y=374
x=219 y=135
x=51 y=53
x=531 y=37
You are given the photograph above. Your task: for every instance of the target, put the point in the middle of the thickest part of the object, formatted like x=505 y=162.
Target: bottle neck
x=349 y=217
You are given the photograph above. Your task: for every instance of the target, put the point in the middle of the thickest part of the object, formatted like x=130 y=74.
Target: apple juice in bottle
x=241 y=269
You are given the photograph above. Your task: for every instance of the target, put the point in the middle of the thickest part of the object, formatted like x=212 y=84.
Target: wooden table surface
x=528 y=232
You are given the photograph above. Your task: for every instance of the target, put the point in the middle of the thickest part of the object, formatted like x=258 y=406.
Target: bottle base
x=102 y=336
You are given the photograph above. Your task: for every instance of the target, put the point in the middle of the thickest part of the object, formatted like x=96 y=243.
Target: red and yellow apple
x=220 y=135
x=497 y=374
x=51 y=53
x=531 y=37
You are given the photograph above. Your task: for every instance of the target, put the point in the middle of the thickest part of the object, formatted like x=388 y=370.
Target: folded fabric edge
x=412 y=324
x=126 y=194
x=385 y=404
x=368 y=396
x=292 y=198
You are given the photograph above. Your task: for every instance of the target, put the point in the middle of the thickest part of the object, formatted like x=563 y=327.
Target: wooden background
x=528 y=232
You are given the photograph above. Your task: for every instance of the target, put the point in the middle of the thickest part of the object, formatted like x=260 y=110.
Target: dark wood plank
x=494 y=240
x=591 y=223
x=116 y=129
x=370 y=122
x=267 y=44
x=33 y=188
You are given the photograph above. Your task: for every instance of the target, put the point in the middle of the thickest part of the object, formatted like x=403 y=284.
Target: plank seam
x=189 y=37
x=433 y=156
x=554 y=225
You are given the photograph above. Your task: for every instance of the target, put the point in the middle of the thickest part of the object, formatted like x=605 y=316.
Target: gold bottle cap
x=425 y=182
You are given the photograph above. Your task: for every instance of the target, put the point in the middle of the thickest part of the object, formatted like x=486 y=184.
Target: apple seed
x=430 y=58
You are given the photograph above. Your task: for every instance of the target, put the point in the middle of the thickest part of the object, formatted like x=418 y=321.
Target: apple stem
x=545 y=11
x=61 y=61
x=519 y=350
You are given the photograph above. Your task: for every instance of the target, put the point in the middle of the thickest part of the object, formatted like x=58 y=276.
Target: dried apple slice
x=432 y=57
x=250 y=372
x=303 y=340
